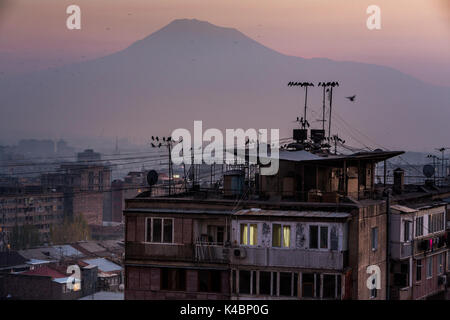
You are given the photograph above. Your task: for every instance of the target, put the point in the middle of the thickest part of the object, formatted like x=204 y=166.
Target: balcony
x=401 y=250
x=159 y=251
x=299 y=258
x=211 y=252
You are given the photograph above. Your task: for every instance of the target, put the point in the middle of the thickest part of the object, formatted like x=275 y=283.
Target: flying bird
x=352 y=98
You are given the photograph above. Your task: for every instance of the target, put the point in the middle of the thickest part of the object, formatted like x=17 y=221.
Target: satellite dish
x=428 y=170
x=152 y=177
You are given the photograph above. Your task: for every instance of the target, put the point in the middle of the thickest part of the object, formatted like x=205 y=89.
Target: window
x=323 y=237
x=159 y=230
x=406 y=231
x=264 y=283
x=429 y=267
x=315 y=240
x=249 y=234
x=253 y=277
x=209 y=281
x=436 y=222
x=173 y=279
x=440 y=263
x=419 y=226
x=313 y=235
x=374 y=238
x=285 y=284
x=233 y=281
x=281 y=239
x=329 y=286
x=308 y=285
x=419 y=270
x=244 y=282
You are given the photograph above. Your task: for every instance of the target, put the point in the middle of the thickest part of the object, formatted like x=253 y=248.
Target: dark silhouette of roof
x=11 y=258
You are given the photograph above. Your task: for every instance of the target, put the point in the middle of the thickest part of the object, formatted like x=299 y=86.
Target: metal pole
x=306 y=98
x=323 y=110
x=329 y=123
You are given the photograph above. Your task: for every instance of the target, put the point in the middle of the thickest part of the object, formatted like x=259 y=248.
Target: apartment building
x=30 y=205
x=309 y=232
x=419 y=250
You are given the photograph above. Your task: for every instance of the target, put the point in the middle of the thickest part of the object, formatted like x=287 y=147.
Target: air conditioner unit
x=239 y=253
x=442 y=279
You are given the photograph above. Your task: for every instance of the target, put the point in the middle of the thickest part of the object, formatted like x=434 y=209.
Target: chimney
x=399 y=180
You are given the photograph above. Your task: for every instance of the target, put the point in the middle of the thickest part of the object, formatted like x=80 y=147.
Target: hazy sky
x=414 y=35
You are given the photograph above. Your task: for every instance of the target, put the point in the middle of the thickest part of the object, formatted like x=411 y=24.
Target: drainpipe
x=388 y=245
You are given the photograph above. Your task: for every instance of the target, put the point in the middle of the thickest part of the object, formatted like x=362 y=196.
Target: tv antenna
x=328 y=87
x=305 y=85
x=165 y=142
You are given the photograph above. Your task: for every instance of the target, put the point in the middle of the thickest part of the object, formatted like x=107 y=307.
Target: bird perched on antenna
x=352 y=98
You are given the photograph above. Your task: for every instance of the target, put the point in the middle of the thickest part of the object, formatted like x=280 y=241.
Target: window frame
x=282 y=226
x=248 y=224
x=319 y=232
x=419 y=265
x=374 y=248
x=440 y=264
x=162 y=230
x=429 y=267
x=421 y=224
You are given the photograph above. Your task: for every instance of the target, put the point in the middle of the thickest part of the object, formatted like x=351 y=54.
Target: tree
x=71 y=230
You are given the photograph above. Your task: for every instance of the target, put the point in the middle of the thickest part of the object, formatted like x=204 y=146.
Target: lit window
x=286 y=236
x=249 y=234
x=281 y=239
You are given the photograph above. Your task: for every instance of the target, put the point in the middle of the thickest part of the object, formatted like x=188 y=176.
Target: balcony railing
x=211 y=252
x=159 y=251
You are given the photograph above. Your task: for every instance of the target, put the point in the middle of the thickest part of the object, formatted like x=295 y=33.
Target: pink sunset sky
x=414 y=36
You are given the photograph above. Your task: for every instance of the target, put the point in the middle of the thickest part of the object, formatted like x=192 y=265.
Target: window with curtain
x=244 y=233
x=281 y=236
x=286 y=236
x=276 y=235
x=249 y=234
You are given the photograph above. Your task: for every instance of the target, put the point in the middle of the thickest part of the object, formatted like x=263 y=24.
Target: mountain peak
x=196 y=26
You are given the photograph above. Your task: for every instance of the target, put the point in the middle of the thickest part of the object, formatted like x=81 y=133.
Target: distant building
x=63 y=149
x=36 y=148
x=133 y=184
x=88 y=155
x=22 y=205
x=86 y=186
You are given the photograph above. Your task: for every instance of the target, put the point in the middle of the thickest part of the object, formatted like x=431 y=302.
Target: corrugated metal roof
x=300 y=155
x=51 y=253
x=279 y=213
x=67 y=251
x=403 y=209
x=91 y=246
x=38 y=261
x=64 y=280
x=103 y=264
